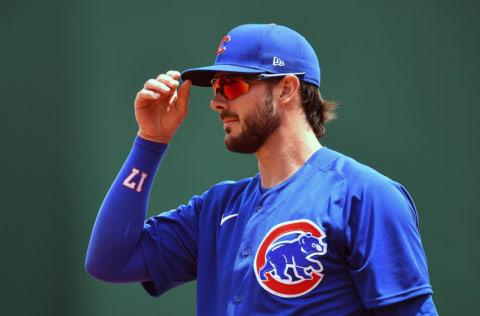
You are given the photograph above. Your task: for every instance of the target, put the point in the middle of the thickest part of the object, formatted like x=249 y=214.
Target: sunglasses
x=234 y=86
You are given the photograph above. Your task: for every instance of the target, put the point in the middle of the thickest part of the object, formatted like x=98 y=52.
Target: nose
x=219 y=102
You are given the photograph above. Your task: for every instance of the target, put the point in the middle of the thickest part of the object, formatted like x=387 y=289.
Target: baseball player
x=313 y=233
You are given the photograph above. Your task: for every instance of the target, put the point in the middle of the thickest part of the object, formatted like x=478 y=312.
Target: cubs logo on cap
x=287 y=261
x=222 y=47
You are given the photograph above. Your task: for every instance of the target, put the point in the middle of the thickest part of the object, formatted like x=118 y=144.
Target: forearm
x=112 y=253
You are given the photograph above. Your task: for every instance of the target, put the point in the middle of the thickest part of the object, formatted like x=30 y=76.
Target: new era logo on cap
x=278 y=62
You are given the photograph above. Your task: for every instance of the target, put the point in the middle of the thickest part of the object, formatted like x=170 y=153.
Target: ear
x=289 y=85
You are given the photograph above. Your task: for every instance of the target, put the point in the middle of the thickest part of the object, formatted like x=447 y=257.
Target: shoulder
x=356 y=175
x=231 y=190
x=231 y=187
x=365 y=188
x=219 y=194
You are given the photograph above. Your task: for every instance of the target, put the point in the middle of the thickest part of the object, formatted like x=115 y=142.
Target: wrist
x=156 y=139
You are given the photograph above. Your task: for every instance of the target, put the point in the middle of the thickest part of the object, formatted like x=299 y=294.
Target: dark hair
x=317 y=110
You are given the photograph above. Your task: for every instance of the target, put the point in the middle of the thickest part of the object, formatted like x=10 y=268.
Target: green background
x=406 y=75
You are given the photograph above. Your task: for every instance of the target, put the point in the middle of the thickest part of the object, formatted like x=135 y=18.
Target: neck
x=285 y=152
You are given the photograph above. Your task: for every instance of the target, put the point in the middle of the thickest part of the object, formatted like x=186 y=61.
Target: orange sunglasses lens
x=230 y=87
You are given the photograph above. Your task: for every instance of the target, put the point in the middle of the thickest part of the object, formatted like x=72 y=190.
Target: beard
x=259 y=125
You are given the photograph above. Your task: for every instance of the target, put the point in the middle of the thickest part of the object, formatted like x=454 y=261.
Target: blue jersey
x=336 y=238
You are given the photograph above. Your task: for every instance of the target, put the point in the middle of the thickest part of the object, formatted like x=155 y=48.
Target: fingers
x=163 y=84
x=147 y=94
x=164 y=89
x=174 y=74
x=182 y=97
x=145 y=97
x=168 y=80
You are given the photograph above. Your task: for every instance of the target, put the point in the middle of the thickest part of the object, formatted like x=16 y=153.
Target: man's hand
x=159 y=110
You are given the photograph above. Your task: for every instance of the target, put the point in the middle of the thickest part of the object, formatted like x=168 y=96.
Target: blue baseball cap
x=259 y=49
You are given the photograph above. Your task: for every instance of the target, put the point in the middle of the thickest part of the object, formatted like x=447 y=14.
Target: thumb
x=182 y=97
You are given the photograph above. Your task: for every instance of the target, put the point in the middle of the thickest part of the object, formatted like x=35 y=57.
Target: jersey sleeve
x=169 y=246
x=385 y=254
x=418 y=306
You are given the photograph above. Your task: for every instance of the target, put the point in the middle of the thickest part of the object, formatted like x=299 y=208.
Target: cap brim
x=203 y=76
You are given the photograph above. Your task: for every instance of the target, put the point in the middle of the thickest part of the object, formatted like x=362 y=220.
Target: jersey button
x=238 y=298
x=246 y=252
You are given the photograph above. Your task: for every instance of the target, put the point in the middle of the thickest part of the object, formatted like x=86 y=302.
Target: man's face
x=248 y=119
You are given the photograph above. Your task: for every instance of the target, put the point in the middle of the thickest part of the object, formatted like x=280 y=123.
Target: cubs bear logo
x=286 y=263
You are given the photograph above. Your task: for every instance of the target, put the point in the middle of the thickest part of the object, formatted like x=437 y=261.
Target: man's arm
x=113 y=253
x=386 y=257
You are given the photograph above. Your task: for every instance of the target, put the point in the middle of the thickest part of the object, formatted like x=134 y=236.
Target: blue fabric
x=113 y=255
x=369 y=252
x=417 y=306
x=337 y=238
